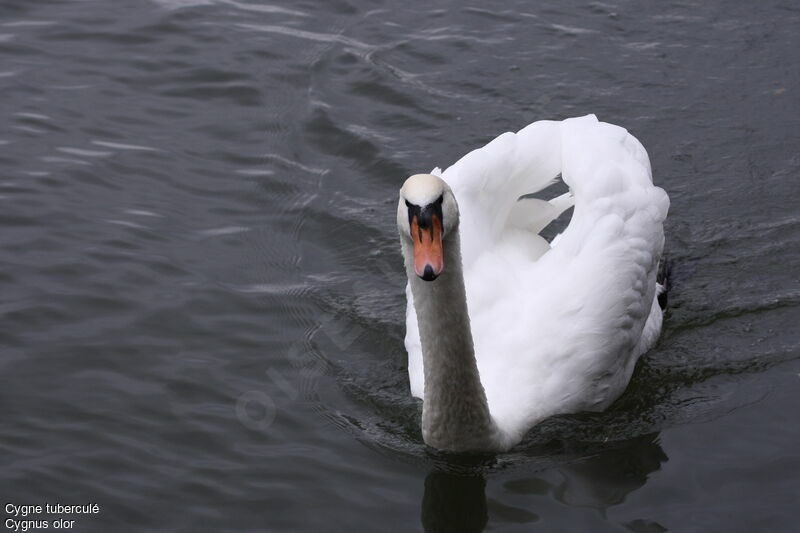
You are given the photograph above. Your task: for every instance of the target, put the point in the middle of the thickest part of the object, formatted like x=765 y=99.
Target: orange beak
x=428 y=253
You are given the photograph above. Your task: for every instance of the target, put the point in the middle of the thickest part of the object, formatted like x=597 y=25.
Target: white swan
x=503 y=329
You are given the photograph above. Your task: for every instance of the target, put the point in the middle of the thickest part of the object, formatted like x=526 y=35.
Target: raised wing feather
x=489 y=181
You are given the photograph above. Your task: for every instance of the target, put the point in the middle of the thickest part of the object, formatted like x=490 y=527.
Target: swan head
x=427 y=213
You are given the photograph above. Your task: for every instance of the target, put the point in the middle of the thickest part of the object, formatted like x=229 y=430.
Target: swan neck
x=455 y=413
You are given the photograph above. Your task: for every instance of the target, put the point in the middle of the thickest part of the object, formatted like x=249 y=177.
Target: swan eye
x=408 y=204
x=440 y=199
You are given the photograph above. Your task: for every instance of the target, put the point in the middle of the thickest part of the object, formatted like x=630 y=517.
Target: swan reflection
x=455 y=500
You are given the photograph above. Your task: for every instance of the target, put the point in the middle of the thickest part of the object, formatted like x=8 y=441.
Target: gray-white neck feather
x=455 y=414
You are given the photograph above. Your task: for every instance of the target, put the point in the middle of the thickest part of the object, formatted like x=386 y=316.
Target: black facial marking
x=425 y=214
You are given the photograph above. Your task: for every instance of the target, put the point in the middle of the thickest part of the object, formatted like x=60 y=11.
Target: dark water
x=201 y=289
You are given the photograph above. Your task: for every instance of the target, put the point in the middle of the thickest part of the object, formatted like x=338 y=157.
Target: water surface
x=201 y=289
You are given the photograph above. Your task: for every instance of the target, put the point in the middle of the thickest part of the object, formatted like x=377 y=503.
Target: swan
x=504 y=329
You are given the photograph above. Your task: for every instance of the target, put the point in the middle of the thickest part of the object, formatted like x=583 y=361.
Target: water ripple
x=198 y=208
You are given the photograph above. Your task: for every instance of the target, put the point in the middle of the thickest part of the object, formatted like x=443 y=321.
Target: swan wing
x=565 y=332
x=488 y=183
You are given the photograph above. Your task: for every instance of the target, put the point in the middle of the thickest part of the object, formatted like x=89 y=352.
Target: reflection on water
x=455 y=494
x=604 y=480
x=454 y=503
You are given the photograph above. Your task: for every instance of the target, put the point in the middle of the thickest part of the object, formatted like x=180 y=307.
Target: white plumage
x=555 y=329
